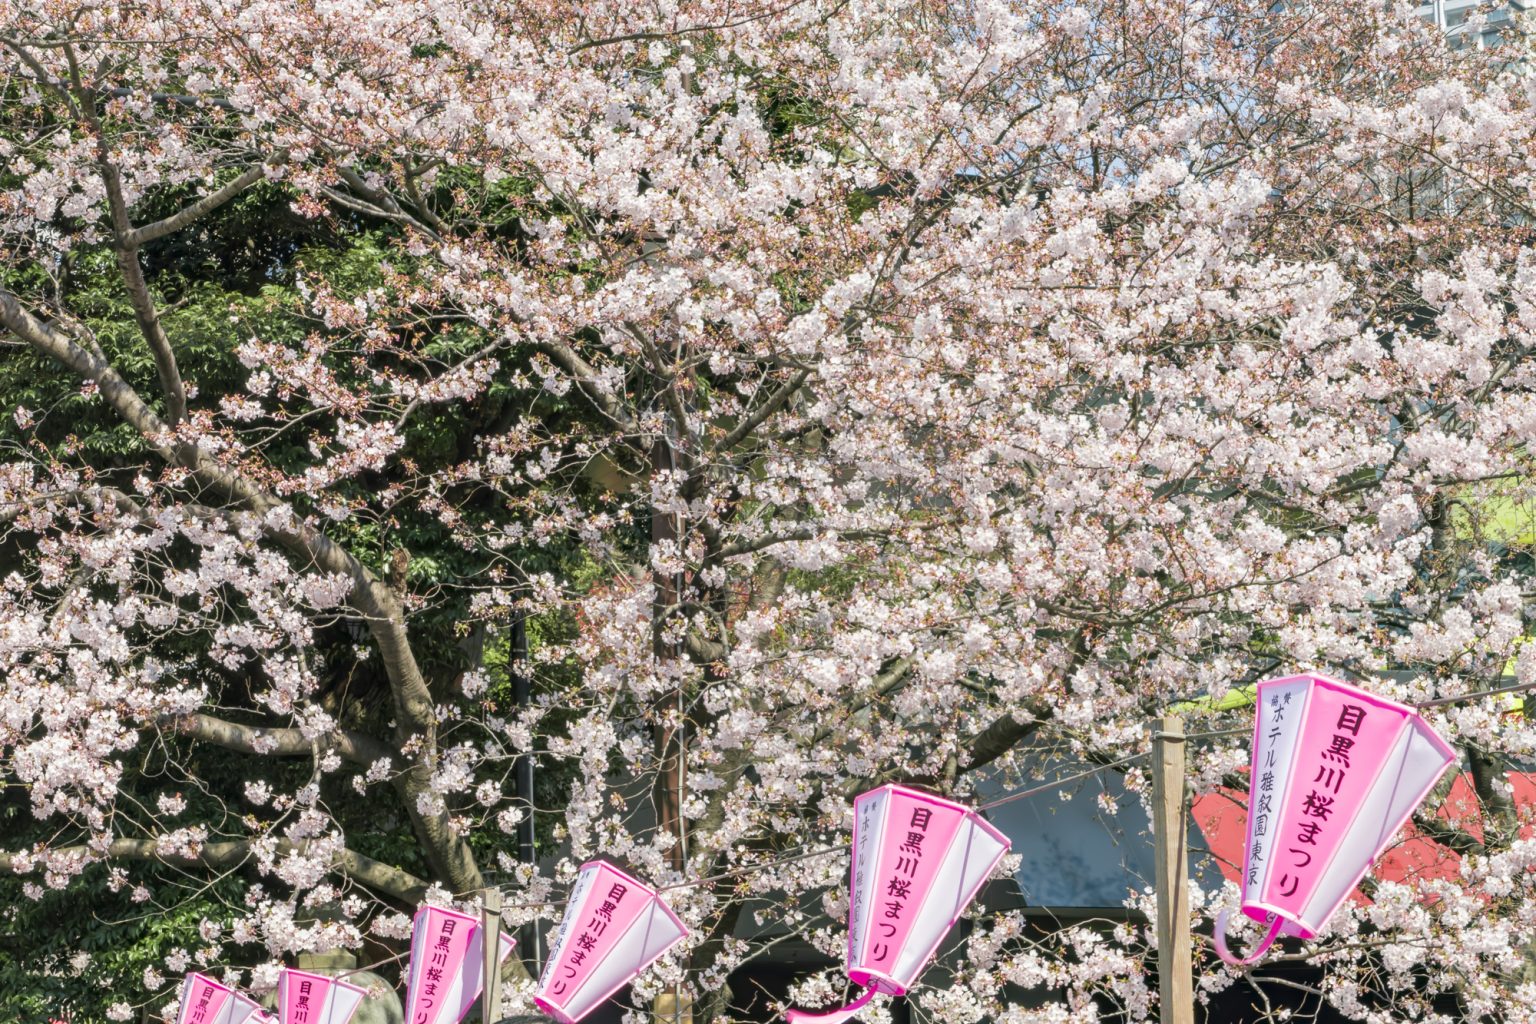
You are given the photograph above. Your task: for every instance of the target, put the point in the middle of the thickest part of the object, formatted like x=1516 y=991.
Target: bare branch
x=1446 y=834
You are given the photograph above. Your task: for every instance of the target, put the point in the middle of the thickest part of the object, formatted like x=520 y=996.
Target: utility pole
x=1175 y=962
x=522 y=771
x=672 y=1006
x=669 y=739
x=522 y=695
x=490 y=991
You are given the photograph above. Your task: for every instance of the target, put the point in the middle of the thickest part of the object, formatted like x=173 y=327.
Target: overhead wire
x=1463 y=698
x=1023 y=794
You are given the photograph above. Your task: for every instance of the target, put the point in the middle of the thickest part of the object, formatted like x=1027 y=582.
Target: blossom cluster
x=872 y=390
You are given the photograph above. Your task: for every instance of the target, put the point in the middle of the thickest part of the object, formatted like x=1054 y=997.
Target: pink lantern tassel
x=1275 y=924
x=837 y=1016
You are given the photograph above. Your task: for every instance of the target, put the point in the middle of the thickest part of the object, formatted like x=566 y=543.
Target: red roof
x=1222 y=817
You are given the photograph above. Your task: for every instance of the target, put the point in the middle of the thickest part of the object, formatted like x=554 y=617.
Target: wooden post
x=1175 y=965
x=490 y=992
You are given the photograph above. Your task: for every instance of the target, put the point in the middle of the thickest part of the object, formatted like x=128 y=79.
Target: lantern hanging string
x=1010 y=798
x=768 y=865
x=748 y=869
x=1024 y=794
x=369 y=967
x=1057 y=783
x=1245 y=730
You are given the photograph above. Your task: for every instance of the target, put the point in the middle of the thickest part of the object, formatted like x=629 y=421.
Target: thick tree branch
x=231 y=854
x=144 y=312
x=374 y=601
x=997 y=739
x=1008 y=732
x=586 y=378
x=395 y=215
x=356 y=747
x=428 y=222
x=883 y=685
x=148 y=318
x=140 y=236
x=768 y=540
x=172 y=99
x=753 y=420
x=1490 y=782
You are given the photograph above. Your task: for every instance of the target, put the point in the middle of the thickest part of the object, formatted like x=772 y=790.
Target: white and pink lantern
x=447 y=964
x=1335 y=772
x=614 y=927
x=205 y=1001
x=918 y=861
x=304 y=998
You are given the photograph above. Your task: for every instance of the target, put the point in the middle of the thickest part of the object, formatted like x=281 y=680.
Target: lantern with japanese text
x=205 y=1001
x=447 y=964
x=614 y=927
x=304 y=998
x=1335 y=773
x=918 y=861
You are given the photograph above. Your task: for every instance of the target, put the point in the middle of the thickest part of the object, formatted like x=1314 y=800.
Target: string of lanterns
x=1335 y=772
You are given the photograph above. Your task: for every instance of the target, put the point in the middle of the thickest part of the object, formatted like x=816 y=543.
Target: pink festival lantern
x=447 y=961
x=918 y=861
x=614 y=927
x=205 y=1001
x=304 y=998
x=1336 y=772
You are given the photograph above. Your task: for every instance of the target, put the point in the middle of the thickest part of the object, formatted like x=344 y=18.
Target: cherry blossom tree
x=855 y=391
